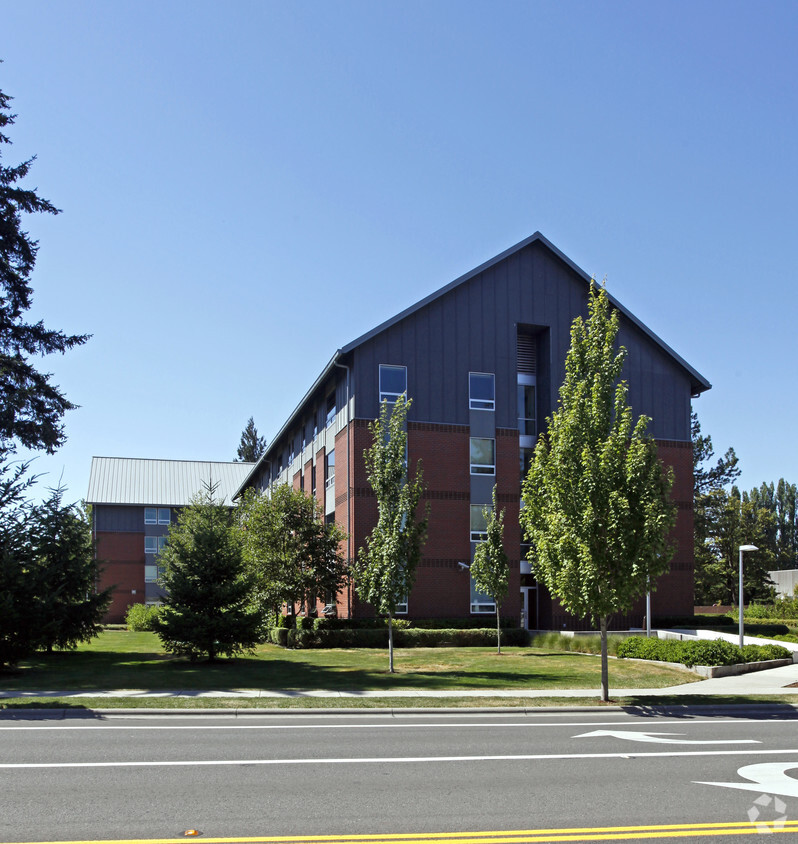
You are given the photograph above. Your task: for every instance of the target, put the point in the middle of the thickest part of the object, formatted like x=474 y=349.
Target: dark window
x=481 y=391
x=393 y=382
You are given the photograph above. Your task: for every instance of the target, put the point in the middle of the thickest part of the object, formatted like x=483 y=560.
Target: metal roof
x=169 y=483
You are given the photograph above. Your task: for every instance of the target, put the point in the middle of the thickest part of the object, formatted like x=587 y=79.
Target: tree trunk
x=605 y=691
x=390 y=643
x=498 y=631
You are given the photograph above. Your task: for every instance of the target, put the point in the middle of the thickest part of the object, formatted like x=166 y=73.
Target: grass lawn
x=123 y=660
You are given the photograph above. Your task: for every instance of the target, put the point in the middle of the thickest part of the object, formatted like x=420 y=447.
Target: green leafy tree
x=68 y=607
x=385 y=570
x=490 y=568
x=209 y=609
x=31 y=407
x=597 y=508
x=294 y=554
x=251 y=447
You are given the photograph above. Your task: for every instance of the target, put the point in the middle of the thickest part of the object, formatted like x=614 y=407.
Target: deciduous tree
x=294 y=554
x=385 y=570
x=597 y=508
x=490 y=568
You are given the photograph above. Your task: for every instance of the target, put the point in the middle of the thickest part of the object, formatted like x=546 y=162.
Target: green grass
x=123 y=660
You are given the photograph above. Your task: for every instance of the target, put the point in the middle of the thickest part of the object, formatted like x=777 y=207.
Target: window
x=150 y=574
x=525 y=461
x=401 y=605
x=481 y=603
x=329 y=469
x=313 y=478
x=150 y=516
x=481 y=391
x=150 y=544
x=161 y=543
x=301 y=480
x=483 y=456
x=527 y=424
x=479 y=524
x=393 y=382
x=331 y=409
x=164 y=517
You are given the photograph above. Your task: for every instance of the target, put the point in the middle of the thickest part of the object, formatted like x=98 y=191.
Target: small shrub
x=701 y=652
x=140 y=617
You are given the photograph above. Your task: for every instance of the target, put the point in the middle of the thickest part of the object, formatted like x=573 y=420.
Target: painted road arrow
x=659 y=738
x=768 y=777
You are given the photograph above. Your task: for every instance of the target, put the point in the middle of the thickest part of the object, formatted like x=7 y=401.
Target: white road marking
x=383 y=726
x=658 y=738
x=768 y=777
x=393 y=760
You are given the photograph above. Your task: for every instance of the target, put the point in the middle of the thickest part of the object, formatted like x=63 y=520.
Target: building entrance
x=529 y=607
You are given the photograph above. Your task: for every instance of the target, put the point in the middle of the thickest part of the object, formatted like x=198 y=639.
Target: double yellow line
x=521 y=836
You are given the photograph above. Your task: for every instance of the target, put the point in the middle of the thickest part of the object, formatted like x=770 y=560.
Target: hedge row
x=715 y=652
x=378 y=638
x=305 y=623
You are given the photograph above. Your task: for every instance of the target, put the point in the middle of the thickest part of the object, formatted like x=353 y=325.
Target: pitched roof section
x=698 y=382
x=169 y=483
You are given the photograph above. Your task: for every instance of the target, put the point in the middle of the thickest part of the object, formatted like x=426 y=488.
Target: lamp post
x=740 y=602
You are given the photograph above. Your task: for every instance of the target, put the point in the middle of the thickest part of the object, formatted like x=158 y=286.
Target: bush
x=702 y=652
x=377 y=637
x=140 y=617
x=576 y=644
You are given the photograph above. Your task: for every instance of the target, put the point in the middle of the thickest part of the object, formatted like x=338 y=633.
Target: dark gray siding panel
x=473 y=328
x=119 y=518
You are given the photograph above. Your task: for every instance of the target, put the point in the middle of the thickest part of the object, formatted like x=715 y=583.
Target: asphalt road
x=387 y=775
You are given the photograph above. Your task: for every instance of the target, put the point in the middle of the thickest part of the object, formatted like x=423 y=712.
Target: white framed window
x=481 y=604
x=150 y=544
x=527 y=406
x=393 y=382
x=150 y=515
x=331 y=410
x=401 y=606
x=481 y=391
x=164 y=516
x=161 y=543
x=479 y=524
x=150 y=574
x=329 y=469
x=483 y=456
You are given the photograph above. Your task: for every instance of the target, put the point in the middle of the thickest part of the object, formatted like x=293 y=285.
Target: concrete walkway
x=771 y=681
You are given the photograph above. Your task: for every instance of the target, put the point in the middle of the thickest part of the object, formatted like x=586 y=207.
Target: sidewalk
x=771 y=681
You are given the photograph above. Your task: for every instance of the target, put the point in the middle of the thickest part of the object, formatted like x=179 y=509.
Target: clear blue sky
x=247 y=186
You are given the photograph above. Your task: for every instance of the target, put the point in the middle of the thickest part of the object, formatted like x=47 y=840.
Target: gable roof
x=698 y=384
x=697 y=381
x=168 y=483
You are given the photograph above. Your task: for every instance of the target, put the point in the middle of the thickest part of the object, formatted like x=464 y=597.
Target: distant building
x=785 y=582
x=482 y=359
x=133 y=503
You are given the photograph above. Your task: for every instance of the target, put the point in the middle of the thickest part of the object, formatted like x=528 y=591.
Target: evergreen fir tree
x=251 y=447
x=210 y=608
x=31 y=407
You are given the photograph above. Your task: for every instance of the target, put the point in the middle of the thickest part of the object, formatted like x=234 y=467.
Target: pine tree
x=31 y=407
x=490 y=568
x=384 y=572
x=68 y=607
x=597 y=508
x=251 y=447
x=210 y=608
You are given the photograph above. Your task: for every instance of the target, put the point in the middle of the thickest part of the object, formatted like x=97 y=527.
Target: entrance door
x=529 y=607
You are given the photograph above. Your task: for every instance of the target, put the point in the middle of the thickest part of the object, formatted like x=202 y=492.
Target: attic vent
x=527 y=353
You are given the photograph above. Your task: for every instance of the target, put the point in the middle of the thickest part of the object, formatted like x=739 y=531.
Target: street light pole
x=740 y=602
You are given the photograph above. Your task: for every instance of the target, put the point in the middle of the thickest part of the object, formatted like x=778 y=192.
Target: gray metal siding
x=473 y=328
x=120 y=519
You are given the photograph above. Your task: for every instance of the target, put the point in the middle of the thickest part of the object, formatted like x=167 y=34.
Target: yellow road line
x=524 y=836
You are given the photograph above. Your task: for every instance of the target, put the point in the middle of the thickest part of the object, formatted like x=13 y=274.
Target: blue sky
x=248 y=186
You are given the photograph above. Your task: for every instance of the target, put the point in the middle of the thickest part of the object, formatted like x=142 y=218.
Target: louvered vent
x=527 y=354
